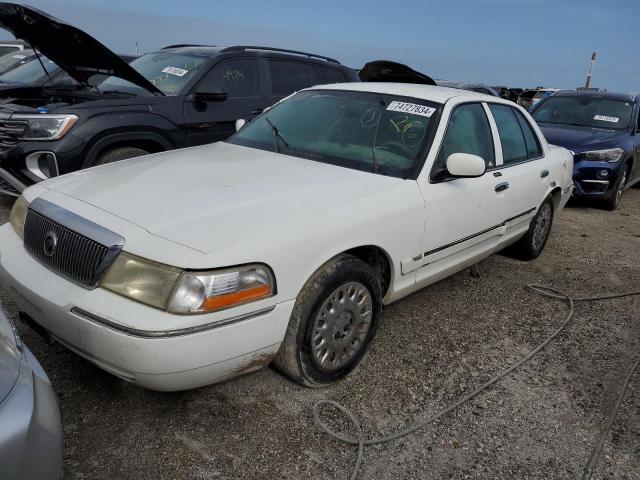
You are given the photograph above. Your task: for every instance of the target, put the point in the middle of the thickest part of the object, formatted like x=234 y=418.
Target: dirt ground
x=541 y=422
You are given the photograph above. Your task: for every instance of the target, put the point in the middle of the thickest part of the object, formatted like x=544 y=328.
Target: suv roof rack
x=239 y=48
x=182 y=45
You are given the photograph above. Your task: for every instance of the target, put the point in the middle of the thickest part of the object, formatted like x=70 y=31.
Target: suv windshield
x=30 y=72
x=585 y=111
x=167 y=71
x=365 y=131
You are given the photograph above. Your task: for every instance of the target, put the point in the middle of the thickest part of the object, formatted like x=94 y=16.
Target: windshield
x=30 y=72
x=364 y=131
x=167 y=71
x=8 y=61
x=585 y=111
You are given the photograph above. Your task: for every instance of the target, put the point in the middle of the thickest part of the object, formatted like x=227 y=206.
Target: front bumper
x=31 y=162
x=140 y=344
x=31 y=432
x=590 y=180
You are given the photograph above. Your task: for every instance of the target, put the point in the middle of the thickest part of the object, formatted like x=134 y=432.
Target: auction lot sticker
x=604 y=118
x=413 y=108
x=178 y=72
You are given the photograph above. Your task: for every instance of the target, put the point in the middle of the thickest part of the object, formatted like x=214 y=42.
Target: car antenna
x=42 y=65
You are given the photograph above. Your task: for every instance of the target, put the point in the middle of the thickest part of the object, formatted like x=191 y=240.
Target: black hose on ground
x=361 y=442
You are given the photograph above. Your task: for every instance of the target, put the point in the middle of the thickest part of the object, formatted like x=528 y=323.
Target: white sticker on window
x=178 y=72
x=411 y=108
x=604 y=118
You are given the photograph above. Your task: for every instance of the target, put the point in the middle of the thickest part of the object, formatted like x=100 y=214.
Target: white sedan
x=283 y=243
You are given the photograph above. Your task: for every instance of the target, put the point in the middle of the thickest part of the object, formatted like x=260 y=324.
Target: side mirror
x=465 y=165
x=211 y=94
x=240 y=123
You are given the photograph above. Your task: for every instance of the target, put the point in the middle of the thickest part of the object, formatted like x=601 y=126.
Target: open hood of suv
x=387 y=71
x=76 y=52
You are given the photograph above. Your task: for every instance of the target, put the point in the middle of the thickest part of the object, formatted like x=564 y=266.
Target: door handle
x=544 y=173
x=502 y=186
x=497 y=174
x=257 y=111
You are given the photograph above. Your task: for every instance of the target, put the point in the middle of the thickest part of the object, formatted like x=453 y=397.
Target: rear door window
x=530 y=138
x=514 y=148
x=288 y=77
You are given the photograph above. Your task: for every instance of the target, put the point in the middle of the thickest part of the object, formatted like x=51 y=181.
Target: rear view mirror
x=465 y=165
x=240 y=123
x=211 y=94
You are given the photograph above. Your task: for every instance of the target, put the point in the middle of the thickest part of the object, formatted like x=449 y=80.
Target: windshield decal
x=604 y=118
x=178 y=72
x=412 y=108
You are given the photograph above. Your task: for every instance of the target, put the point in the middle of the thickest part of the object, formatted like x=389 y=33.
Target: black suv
x=180 y=96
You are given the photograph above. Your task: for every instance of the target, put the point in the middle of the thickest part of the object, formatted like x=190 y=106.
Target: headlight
x=139 y=279
x=45 y=126
x=610 y=155
x=202 y=292
x=18 y=215
x=185 y=292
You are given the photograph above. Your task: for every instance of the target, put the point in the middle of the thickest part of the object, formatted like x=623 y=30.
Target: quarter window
x=239 y=78
x=331 y=75
x=288 y=77
x=468 y=132
x=514 y=148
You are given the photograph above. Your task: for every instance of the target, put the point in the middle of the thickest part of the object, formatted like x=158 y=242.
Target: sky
x=518 y=43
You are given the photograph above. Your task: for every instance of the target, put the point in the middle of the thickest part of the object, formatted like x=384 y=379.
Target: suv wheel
x=532 y=244
x=613 y=202
x=120 y=153
x=333 y=321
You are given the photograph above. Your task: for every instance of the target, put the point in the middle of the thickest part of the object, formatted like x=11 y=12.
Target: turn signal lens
x=203 y=292
x=19 y=215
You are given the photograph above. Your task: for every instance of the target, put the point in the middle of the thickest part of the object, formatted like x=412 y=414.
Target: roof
x=627 y=97
x=211 y=51
x=425 y=92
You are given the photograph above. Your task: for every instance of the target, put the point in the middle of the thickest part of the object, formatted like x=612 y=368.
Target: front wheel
x=613 y=202
x=118 y=154
x=532 y=244
x=333 y=321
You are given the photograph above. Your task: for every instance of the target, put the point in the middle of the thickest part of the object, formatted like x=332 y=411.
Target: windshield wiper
x=117 y=92
x=277 y=135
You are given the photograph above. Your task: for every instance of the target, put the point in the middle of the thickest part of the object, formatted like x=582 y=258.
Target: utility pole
x=137 y=54
x=590 y=71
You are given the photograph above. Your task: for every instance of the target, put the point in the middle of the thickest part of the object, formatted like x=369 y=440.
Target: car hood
x=581 y=139
x=388 y=71
x=9 y=357
x=211 y=196
x=78 y=53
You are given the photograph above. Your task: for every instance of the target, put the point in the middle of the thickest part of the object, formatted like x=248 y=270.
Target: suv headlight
x=18 y=215
x=46 y=126
x=187 y=292
x=610 y=155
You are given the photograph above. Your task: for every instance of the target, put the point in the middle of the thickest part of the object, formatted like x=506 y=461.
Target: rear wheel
x=120 y=153
x=532 y=244
x=333 y=321
x=613 y=202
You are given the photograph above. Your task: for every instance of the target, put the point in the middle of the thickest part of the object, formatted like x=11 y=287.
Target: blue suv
x=603 y=131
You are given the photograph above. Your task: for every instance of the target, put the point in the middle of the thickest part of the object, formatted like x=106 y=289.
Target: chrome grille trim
x=84 y=250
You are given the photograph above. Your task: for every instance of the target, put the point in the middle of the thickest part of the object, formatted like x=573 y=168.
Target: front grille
x=67 y=251
x=10 y=132
x=7 y=187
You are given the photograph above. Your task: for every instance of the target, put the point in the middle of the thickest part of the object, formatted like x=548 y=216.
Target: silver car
x=30 y=429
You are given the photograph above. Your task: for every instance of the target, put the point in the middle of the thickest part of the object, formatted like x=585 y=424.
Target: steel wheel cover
x=341 y=326
x=542 y=226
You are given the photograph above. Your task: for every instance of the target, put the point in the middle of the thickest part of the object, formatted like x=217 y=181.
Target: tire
x=613 y=202
x=532 y=244
x=316 y=321
x=120 y=153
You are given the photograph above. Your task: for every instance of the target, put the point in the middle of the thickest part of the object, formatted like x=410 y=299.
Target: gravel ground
x=541 y=422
